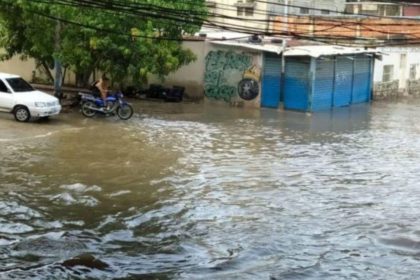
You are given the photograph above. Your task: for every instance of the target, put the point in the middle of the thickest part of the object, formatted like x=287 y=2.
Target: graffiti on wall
x=249 y=87
x=224 y=71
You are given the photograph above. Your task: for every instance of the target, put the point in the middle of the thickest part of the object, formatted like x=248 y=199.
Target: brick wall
x=348 y=27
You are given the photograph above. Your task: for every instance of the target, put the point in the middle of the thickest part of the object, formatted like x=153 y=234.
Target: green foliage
x=121 y=44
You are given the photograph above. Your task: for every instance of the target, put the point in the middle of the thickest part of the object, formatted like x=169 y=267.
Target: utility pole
x=284 y=43
x=286 y=15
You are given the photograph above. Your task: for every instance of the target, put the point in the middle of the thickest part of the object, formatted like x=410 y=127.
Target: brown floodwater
x=195 y=191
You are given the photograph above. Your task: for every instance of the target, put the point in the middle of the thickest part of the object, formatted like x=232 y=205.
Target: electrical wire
x=222 y=25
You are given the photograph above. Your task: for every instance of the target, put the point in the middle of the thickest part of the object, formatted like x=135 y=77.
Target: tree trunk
x=47 y=71
x=82 y=79
x=64 y=76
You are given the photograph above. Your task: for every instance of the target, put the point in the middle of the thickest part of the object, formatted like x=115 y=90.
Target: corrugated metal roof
x=273 y=48
x=317 y=51
x=236 y=39
x=222 y=35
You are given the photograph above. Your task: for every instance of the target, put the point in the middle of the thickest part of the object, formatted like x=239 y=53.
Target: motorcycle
x=92 y=105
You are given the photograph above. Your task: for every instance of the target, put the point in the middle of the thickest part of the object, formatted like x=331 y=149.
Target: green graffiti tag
x=223 y=72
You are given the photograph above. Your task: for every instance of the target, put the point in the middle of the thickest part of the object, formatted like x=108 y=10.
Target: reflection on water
x=186 y=191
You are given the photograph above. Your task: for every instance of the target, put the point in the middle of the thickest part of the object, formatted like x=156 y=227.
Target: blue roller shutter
x=271 y=85
x=297 y=84
x=343 y=84
x=322 y=96
x=361 y=80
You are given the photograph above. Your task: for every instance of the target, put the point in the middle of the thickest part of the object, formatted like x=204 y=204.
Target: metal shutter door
x=296 y=88
x=322 y=96
x=343 y=84
x=271 y=85
x=361 y=80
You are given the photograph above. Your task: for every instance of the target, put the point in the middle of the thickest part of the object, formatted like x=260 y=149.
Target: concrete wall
x=402 y=59
x=27 y=69
x=334 y=5
x=413 y=88
x=227 y=8
x=190 y=76
x=23 y=68
x=225 y=68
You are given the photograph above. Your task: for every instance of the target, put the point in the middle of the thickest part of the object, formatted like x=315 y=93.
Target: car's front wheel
x=22 y=114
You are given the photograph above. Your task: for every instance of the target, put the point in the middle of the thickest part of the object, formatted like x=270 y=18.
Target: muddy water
x=193 y=192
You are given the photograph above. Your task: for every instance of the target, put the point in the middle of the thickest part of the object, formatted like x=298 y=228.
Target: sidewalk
x=65 y=89
x=69 y=98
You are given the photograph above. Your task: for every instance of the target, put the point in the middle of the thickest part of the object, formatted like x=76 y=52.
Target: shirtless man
x=102 y=86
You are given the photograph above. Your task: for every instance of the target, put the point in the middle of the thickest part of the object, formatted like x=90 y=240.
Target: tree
x=131 y=38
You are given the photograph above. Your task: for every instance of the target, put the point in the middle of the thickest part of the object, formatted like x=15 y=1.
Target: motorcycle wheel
x=86 y=111
x=125 y=112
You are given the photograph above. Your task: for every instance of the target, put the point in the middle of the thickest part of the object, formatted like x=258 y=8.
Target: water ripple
x=216 y=193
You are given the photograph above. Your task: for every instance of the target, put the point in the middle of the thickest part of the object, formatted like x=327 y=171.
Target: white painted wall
x=25 y=69
x=331 y=5
x=395 y=56
x=19 y=67
x=190 y=76
x=228 y=8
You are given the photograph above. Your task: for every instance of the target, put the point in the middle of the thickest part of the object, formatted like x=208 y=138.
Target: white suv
x=23 y=101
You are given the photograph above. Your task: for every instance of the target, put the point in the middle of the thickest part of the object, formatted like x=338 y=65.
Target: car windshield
x=19 y=85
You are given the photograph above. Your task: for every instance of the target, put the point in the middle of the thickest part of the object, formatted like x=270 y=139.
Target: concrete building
x=384 y=8
x=304 y=7
x=238 y=15
x=398 y=72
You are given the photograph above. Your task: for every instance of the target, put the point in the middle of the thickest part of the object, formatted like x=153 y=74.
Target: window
x=245 y=8
x=249 y=12
x=304 y=11
x=413 y=71
x=19 y=85
x=3 y=87
x=371 y=9
x=350 y=9
x=240 y=11
x=388 y=74
x=325 y=12
x=245 y=11
x=392 y=10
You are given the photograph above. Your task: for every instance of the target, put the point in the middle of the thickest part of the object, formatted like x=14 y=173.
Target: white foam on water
x=48 y=225
x=4 y=242
x=66 y=198
x=121 y=235
x=88 y=201
x=119 y=193
x=8 y=208
x=15 y=228
x=45 y=135
x=81 y=188
x=75 y=223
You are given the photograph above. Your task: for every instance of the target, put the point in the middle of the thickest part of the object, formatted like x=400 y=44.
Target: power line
x=231 y=27
x=331 y=11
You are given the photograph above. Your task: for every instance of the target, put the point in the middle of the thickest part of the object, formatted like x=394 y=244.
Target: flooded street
x=189 y=191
